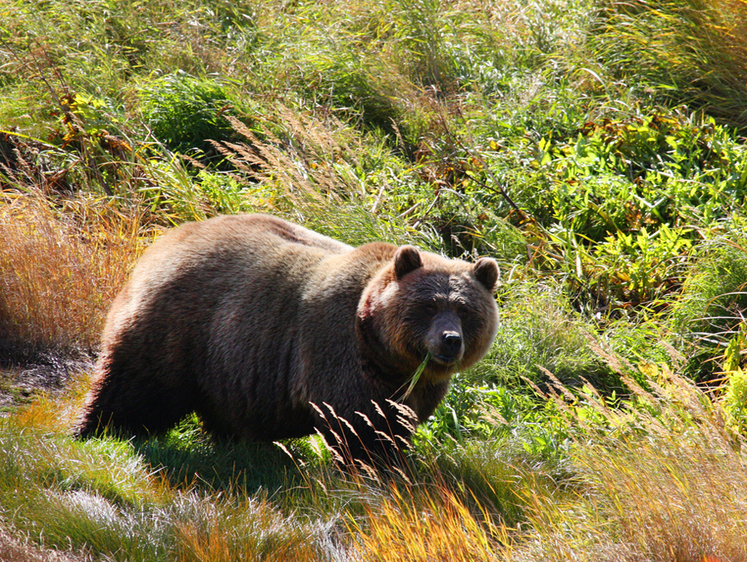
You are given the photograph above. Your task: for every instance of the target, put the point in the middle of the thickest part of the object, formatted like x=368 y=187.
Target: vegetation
x=596 y=148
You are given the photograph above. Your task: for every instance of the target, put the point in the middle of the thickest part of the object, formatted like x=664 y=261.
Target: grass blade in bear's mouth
x=416 y=376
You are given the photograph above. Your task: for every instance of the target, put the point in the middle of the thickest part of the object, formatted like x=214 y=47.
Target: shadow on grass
x=190 y=458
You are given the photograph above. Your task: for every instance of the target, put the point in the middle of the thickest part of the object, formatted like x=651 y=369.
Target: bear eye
x=462 y=311
x=431 y=308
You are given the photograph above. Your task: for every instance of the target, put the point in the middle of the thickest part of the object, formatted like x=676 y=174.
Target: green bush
x=184 y=112
x=650 y=170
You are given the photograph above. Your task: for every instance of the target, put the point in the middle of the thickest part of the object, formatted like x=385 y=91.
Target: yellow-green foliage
x=691 y=51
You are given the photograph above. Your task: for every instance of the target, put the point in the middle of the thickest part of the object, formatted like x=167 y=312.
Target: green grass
x=610 y=488
x=594 y=148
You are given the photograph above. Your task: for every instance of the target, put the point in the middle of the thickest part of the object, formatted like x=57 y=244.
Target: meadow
x=595 y=148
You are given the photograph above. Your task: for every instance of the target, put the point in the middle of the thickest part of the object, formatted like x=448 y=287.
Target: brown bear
x=270 y=331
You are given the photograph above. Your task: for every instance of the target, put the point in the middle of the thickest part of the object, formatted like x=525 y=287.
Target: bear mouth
x=447 y=360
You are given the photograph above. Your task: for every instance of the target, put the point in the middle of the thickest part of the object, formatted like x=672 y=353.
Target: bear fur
x=271 y=331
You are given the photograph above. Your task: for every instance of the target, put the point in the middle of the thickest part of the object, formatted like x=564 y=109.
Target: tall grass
x=664 y=484
x=59 y=271
x=709 y=314
x=102 y=498
x=436 y=526
x=540 y=333
x=657 y=477
x=687 y=51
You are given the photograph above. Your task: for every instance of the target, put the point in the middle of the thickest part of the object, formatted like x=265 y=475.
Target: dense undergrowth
x=594 y=148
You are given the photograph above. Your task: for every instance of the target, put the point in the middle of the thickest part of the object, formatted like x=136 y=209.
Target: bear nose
x=452 y=343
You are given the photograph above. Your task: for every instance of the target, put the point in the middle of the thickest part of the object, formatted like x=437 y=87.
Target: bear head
x=424 y=306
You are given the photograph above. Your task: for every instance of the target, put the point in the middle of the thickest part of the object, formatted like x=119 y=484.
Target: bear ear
x=406 y=259
x=486 y=272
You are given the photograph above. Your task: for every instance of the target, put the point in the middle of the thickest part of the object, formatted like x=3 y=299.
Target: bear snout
x=451 y=343
x=449 y=349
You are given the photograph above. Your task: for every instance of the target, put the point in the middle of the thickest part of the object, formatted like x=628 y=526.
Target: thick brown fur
x=252 y=321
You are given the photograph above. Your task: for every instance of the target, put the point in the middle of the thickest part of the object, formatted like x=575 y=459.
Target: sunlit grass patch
x=684 y=500
x=250 y=529
x=709 y=314
x=431 y=525
x=687 y=51
x=539 y=331
x=102 y=496
x=655 y=474
x=74 y=495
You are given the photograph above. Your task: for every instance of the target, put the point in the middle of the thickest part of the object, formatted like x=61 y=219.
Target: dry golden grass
x=665 y=481
x=52 y=412
x=424 y=525
x=680 y=493
x=674 y=501
x=60 y=268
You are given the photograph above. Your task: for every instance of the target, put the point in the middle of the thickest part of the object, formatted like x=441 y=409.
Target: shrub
x=184 y=112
